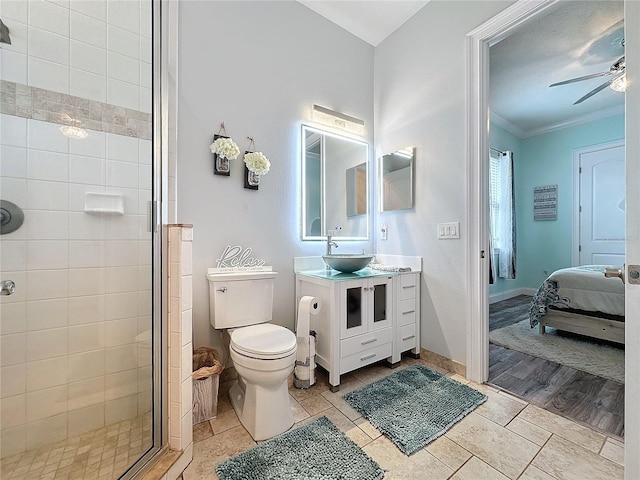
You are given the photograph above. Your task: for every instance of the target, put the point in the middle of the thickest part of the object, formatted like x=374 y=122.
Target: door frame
x=577 y=152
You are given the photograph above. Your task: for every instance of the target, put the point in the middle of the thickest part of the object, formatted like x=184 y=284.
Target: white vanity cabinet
x=354 y=326
x=407 y=324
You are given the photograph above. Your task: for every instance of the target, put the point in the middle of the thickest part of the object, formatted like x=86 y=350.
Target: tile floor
x=505 y=438
x=105 y=453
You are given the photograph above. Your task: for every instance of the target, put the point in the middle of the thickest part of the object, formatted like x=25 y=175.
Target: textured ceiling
x=576 y=38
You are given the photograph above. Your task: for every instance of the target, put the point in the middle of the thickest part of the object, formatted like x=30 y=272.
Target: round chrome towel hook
x=11 y=217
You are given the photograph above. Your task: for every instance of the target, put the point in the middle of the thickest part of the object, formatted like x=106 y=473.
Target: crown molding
x=506 y=124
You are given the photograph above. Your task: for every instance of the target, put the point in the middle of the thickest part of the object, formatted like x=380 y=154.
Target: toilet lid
x=265 y=341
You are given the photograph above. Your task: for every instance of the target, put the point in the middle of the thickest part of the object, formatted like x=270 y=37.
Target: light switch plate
x=449 y=230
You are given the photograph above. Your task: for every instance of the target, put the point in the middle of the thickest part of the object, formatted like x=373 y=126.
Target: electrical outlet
x=383 y=232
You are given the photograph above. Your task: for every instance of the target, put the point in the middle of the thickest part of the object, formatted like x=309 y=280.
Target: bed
x=580 y=300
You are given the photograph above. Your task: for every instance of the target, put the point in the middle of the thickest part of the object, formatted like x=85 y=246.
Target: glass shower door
x=76 y=334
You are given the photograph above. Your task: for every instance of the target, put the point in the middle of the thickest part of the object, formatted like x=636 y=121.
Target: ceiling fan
x=617 y=81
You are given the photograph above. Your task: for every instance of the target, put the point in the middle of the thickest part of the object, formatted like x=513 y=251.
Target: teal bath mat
x=316 y=451
x=414 y=406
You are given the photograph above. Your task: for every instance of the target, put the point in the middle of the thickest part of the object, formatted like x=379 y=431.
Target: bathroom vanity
x=365 y=316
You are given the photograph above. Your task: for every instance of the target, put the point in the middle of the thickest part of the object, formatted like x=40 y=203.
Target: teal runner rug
x=414 y=406
x=316 y=451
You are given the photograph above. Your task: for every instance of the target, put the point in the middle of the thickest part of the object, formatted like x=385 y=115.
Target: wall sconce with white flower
x=224 y=150
x=255 y=165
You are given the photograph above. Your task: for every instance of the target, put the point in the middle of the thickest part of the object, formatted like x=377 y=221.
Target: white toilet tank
x=239 y=299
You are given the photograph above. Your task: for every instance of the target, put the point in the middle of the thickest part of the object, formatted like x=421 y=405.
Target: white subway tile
x=20 y=279
x=130 y=197
x=48 y=46
x=48 y=373
x=94 y=8
x=44 y=314
x=14 y=161
x=12 y=380
x=121 y=358
x=145 y=97
x=48 y=75
x=47 y=165
x=13 y=130
x=187 y=327
x=123 y=94
x=15 y=10
x=13 y=412
x=88 y=57
x=186 y=399
x=14 y=66
x=47 y=195
x=125 y=14
x=47 y=254
x=145 y=277
x=186 y=259
x=86 y=227
x=87 y=29
x=46 y=403
x=50 y=17
x=85 y=338
x=145 y=303
x=19 y=37
x=87 y=309
x=121 y=279
x=47 y=136
x=94 y=145
x=122 y=306
x=145 y=401
x=44 y=225
x=46 y=431
x=13 y=317
x=86 y=365
x=42 y=344
x=87 y=85
x=186 y=292
x=144 y=177
x=145 y=379
x=121 y=409
x=45 y=284
x=86 y=392
x=77 y=193
x=145 y=252
x=13 y=255
x=13 y=349
x=124 y=227
x=186 y=434
x=146 y=75
x=145 y=49
x=121 y=253
x=85 y=419
x=86 y=281
x=15 y=191
x=186 y=363
x=13 y=440
x=144 y=197
x=86 y=253
x=123 y=42
x=123 y=68
x=86 y=170
x=120 y=147
x=121 y=384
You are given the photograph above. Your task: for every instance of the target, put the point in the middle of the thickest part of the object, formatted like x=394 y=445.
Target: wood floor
x=591 y=400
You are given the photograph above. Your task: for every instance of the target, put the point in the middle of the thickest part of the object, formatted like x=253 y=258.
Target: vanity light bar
x=338 y=120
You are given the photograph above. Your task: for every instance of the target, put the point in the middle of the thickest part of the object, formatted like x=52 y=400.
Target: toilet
x=262 y=353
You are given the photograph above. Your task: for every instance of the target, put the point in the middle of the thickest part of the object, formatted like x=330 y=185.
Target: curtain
x=506 y=224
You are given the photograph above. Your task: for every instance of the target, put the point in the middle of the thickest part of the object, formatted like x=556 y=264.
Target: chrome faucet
x=330 y=243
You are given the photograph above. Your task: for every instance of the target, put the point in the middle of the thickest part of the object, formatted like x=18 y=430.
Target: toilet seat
x=264 y=341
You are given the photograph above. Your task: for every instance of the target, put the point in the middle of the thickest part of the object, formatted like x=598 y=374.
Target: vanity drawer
x=408 y=286
x=407 y=338
x=365 y=357
x=366 y=341
x=407 y=311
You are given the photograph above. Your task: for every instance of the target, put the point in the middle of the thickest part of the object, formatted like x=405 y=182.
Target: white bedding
x=581 y=288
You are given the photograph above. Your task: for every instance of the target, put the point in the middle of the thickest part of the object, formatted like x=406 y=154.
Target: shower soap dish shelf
x=103 y=203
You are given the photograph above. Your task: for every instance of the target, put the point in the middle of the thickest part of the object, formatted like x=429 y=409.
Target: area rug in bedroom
x=317 y=450
x=414 y=406
x=598 y=359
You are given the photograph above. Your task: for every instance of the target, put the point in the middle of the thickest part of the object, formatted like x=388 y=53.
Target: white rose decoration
x=225 y=147
x=257 y=163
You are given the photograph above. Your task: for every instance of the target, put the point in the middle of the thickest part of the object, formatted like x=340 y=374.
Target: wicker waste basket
x=206 y=378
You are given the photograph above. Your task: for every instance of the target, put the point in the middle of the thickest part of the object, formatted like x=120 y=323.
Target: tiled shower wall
x=75 y=337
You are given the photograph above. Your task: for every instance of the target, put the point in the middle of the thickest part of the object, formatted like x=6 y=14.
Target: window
x=494 y=200
x=502 y=213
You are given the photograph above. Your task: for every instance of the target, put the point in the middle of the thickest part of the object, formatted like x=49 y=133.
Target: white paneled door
x=602 y=205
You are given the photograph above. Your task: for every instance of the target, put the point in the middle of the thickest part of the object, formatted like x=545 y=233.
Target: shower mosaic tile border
x=21 y=100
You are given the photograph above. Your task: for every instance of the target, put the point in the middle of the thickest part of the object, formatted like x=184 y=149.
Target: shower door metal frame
x=157 y=216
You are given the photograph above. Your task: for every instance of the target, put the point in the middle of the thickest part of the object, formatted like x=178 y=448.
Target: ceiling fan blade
x=579 y=79
x=598 y=89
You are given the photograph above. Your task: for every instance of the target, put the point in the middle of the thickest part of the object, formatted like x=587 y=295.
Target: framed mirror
x=397 y=180
x=335 y=186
